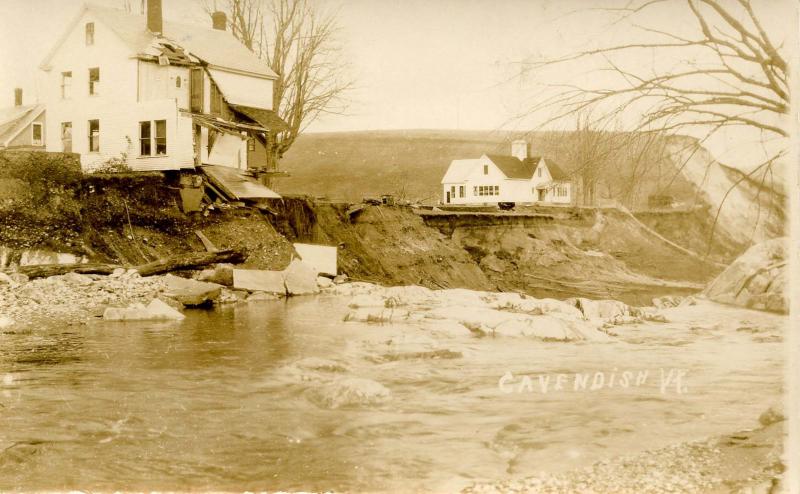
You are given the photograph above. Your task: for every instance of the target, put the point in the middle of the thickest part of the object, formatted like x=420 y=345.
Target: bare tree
x=727 y=73
x=299 y=43
x=742 y=79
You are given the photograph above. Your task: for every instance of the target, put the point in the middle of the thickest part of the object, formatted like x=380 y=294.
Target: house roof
x=458 y=171
x=217 y=48
x=16 y=119
x=268 y=118
x=556 y=171
x=514 y=167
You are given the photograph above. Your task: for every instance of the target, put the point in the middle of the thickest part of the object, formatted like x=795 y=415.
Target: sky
x=439 y=64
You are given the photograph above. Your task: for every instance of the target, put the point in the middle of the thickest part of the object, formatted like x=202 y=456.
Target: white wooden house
x=517 y=178
x=161 y=95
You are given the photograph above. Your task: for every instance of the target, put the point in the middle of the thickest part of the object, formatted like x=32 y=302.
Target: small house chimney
x=18 y=96
x=155 y=22
x=519 y=149
x=219 y=20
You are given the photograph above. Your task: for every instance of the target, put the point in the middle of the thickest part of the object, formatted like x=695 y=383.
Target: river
x=218 y=401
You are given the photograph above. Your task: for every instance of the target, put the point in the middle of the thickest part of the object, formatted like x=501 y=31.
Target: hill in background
x=348 y=166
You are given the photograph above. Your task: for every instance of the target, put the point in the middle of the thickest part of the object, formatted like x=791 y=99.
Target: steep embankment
x=579 y=253
x=748 y=207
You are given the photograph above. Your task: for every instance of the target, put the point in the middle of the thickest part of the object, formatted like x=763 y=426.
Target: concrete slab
x=320 y=257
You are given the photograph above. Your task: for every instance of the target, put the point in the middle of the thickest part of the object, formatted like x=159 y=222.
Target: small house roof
x=15 y=119
x=217 y=48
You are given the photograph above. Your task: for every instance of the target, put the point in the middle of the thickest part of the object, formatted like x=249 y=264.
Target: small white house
x=518 y=178
x=163 y=95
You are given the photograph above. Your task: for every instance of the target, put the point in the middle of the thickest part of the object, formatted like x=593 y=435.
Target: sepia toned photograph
x=370 y=246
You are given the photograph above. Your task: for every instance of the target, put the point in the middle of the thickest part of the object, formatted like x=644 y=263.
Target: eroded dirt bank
x=560 y=253
x=596 y=254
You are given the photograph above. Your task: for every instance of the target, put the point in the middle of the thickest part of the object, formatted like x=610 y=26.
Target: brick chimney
x=18 y=96
x=519 y=149
x=219 y=20
x=155 y=22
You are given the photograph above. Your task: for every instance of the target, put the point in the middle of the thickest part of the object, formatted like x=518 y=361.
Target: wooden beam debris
x=192 y=260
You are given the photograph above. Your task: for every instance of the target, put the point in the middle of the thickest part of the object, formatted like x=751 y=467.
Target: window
x=485 y=169
x=94 y=80
x=178 y=82
x=145 y=139
x=161 y=137
x=461 y=191
x=196 y=89
x=153 y=138
x=36 y=134
x=251 y=144
x=475 y=190
x=66 y=137
x=89 y=33
x=94 y=136
x=497 y=190
x=66 y=85
x=539 y=171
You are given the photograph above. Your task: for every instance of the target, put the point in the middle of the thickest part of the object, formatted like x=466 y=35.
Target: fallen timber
x=192 y=260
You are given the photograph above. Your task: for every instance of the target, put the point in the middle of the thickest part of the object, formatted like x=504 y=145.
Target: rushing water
x=216 y=401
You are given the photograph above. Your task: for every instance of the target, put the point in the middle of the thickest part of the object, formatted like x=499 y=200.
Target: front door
x=448 y=197
x=541 y=195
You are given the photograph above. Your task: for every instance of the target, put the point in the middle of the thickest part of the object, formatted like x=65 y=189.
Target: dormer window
x=89 y=33
x=485 y=169
x=94 y=80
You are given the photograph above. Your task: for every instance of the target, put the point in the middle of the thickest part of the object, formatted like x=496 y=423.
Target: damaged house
x=157 y=95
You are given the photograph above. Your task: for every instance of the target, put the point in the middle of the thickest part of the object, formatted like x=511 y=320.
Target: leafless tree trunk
x=299 y=43
x=731 y=74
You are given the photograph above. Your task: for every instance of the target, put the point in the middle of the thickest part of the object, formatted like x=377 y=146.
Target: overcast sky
x=446 y=64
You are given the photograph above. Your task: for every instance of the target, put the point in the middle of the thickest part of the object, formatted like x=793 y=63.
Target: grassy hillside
x=410 y=164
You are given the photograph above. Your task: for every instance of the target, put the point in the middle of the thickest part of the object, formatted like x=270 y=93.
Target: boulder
x=349 y=392
x=324 y=282
x=191 y=292
x=300 y=279
x=601 y=309
x=262 y=296
x=221 y=274
x=171 y=302
x=7 y=280
x=772 y=415
x=255 y=280
x=339 y=279
x=757 y=279
x=156 y=310
x=77 y=279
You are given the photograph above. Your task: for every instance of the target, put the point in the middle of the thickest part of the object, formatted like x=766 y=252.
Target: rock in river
x=300 y=279
x=191 y=292
x=156 y=310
